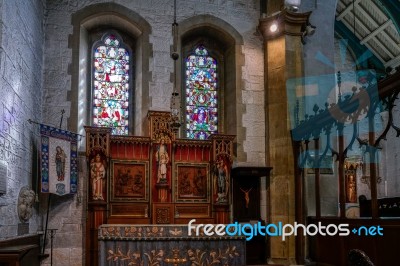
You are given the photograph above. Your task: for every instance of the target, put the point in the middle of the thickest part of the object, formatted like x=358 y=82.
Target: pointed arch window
x=201 y=101
x=110 y=86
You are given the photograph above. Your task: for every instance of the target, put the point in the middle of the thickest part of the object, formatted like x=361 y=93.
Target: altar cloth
x=162 y=245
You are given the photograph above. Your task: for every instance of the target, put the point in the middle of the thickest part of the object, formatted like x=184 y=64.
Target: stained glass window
x=201 y=94
x=111 y=85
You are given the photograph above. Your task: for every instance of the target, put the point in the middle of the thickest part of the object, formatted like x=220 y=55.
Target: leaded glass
x=201 y=94
x=111 y=85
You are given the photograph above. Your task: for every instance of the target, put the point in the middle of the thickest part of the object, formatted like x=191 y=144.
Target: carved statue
x=222 y=180
x=98 y=173
x=351 y=189
x=162 y=159
x=26 y=200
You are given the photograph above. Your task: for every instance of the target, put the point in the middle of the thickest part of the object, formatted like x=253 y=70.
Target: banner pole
x=47 y=222
x=49 y=199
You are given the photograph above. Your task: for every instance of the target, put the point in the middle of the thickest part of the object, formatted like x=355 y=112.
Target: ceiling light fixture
x=273 y=27
x=175 y=103
x=293 y=5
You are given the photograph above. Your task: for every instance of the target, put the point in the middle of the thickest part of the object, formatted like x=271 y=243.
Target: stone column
x=283 y=61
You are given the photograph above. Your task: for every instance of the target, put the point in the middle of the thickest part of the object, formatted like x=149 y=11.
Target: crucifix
x=246 y=196
x=175 y=260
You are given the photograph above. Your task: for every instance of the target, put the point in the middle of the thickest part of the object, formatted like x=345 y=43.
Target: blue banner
x=59 y=161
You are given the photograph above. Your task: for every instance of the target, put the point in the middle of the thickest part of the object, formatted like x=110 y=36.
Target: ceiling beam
x=372 y=49
x=395 y=62
x=347 y=10
x=392 y=8
x=361 y=25
x=375 y=25
x=376 y=31
x=354 y=44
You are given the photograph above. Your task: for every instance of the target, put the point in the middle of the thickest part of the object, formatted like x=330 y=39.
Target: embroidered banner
x=59 y=165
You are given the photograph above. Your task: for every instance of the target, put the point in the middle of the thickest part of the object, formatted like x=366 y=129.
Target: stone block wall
x=242 y=15
x=67 y=214
x=21 y=65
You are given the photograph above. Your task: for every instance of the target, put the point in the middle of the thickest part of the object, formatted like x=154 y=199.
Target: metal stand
x=49 y=201
x=52 y=234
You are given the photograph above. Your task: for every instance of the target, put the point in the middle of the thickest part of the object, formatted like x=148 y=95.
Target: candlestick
x=386 y=193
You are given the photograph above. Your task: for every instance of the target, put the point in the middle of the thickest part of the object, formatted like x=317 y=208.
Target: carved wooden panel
x=129 y=181
x=129 y=210
x=160 y=124
x=192 y=182
x=193 y=211
x=163 y=213
x=97 y=139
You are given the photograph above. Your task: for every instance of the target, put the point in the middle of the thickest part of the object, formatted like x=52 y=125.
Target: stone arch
x=230 y=42
x=115 y=17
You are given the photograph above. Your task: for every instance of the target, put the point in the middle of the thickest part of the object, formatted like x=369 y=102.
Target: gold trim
x=193 y=143
x=130 y=139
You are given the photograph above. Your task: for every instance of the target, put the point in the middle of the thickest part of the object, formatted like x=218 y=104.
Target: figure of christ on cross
x=246 y=196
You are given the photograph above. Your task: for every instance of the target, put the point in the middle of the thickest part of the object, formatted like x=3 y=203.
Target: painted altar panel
x=192 y=182
x=129 y=181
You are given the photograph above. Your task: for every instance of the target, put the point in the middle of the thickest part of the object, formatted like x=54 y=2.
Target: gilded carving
x=133 y=231
x=154 y=231
x=162 y=216
x=135 y=258
x=175 y=260
x=176 y=232
x=111 y=231
x=155 y=257
x=201 y=257
x=213 y=257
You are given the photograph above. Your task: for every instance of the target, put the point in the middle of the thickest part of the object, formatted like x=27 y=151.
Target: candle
x=386 y=188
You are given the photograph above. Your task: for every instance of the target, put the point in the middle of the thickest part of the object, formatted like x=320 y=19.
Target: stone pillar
x=283 y=61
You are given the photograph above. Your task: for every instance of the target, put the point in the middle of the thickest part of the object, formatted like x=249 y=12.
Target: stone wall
x=67 y=215
x=242 y=15
x=389 y=158
x=21 y=65
x=60 y=88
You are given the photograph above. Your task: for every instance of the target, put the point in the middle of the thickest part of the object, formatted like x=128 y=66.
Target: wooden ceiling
x=375 y=25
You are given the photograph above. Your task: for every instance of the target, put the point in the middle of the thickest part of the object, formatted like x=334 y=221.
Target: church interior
x=132 y=128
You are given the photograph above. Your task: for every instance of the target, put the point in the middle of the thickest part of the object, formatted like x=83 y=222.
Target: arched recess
x=95 y=19
x=226 y=43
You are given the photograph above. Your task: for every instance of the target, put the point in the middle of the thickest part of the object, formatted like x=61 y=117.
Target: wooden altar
x=156 y=179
